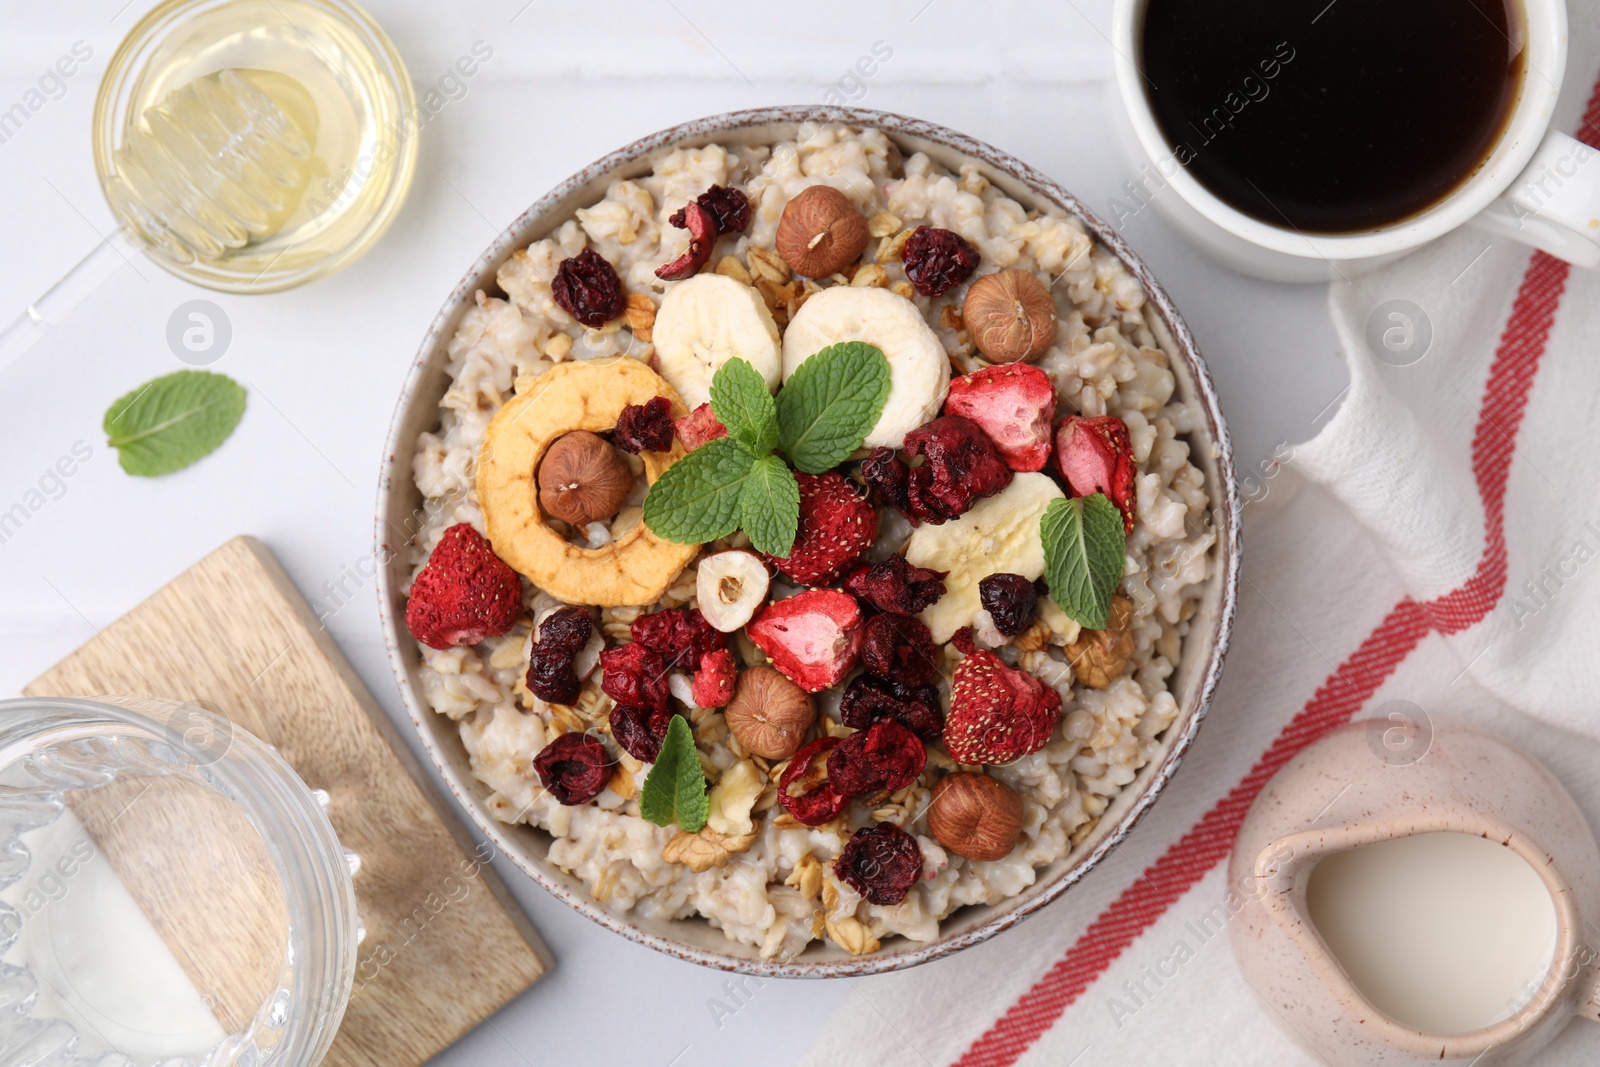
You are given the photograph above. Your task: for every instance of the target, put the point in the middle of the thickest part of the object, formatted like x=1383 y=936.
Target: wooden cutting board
x=445 y=943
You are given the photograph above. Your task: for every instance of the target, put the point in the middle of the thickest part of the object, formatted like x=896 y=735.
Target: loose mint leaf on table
x=697 y=498
x=1084 y=556
x=173 y=421
x=769 y=507
x=675 y=789
x=830 y=403
x=741 y=402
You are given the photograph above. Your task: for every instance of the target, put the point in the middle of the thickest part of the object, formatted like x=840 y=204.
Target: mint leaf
x=697 y=498
x=1084 y=557
x=675 y=789
x=173 y=421
x=740 y=401
x=830 y=403
x=769 y=507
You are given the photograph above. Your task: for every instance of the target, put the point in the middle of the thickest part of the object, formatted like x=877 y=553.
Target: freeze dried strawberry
x=1010 y=600
x=586 y=287
x=1015 y=404
x=464 y=593
x=885 y=755
x=997 y=714
x=713 y=682
x=813 y=638
x=680 y=636
x=574 y=768
x=817 y=801
x=881 y=863
x=961 y=466
x=698 y=427
x=916 y=707
x=634 y=675
x=1096 y=456
x=896 y=586
x=836 y=526
x=640 y=731
x=646 y=426
x=702 y=227
x=560 y=636
x=899 y=648
x=937 y=260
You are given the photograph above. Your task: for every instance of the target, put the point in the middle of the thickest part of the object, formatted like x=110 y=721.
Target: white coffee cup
x=1539 y=186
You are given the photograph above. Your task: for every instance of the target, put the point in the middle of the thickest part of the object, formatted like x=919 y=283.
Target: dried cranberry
x=640 y=731
x=885 y=755
x=1009 y=599
x=728 y=206
x=938 y=260
x=868 y=700
x=896 y=586
x=881 y=863
x=634 y=675
x=645 y=426
x=587 y=288
x=561 y=636
x=961 y=467
x=964 y=641
x=818 y=801
x=702 y=227
x=574 y=768
x=679 y=636
x=899 y=647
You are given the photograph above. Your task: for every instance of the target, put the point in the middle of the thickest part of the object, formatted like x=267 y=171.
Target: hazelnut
x=769 y=714
x=821 y=232
x=975 y=816
x=1010 y=315
x=583 y=478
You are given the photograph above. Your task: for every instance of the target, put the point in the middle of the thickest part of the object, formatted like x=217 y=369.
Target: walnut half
x=1100 y=656
x=708 y=848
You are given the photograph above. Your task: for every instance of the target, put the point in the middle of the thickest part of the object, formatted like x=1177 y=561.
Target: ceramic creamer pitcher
x=1378 y=781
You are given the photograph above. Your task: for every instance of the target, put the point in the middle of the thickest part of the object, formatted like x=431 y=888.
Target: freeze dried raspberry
x=916 y=707
x=587 y=288
x=634 y=675
x=961 y=467
x=899 y=648
x=640 y=731
x=680 y=636
x=938 y=260
x=885 y=755
x=728 y=206
x=698 y=427
x=714 y=681
x=645 y=426
x=574 y=768
x=965 y=641
x=464 y=593
x=881 y=863
x=702 y=227
x=896 y=586
x=1009 y=599
x=817 y=802
x=561 y=635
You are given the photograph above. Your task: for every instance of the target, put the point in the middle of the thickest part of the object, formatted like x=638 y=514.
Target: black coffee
x=1332 y=117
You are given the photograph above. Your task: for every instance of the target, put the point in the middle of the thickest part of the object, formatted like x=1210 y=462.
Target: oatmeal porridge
x=810 y=537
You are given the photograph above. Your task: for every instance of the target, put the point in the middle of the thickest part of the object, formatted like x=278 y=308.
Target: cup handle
x=1554 y=204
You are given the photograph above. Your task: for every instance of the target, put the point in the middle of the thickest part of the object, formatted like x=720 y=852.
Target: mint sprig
x=1084 y=556
x=820 y=417
x=173 y=421
x=675 y=789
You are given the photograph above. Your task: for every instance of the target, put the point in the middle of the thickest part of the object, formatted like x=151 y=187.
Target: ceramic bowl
x=1192 y=684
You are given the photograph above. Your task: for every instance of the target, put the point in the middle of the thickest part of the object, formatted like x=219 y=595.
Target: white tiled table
x=566 y=83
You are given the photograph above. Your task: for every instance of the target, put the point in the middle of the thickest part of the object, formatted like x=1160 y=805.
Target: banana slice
x=1000 y=535
x=919 y=369
x=705 y=321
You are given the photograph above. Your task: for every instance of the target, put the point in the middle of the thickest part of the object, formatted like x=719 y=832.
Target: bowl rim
x=1227 y=515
